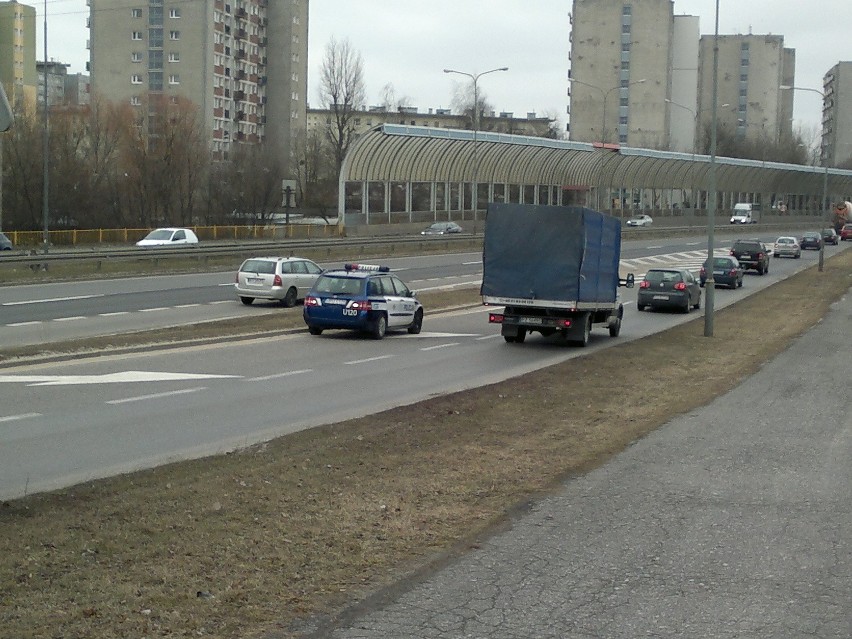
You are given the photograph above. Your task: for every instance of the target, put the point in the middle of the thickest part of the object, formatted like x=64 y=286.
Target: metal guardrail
x=206 y=251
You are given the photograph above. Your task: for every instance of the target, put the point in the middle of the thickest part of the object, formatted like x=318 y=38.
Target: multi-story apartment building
x=621 y=71
x=17 y=52
x=503 y=122
x=836 y=147
x=752 y=70
x=57 y=72
x=77 y=89
x=242 y=62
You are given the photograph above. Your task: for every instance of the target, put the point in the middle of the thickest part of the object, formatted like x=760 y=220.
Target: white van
x=745 y=213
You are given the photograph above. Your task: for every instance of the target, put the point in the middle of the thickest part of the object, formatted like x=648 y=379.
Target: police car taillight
x=363 y=305
x=367 y=267
x=310 y=300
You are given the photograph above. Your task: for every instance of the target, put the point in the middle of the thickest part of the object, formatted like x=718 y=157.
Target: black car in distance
x=727 y=271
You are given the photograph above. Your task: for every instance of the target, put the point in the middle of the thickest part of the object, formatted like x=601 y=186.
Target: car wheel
x=686 y=306
x=640 y=307
x=380 y=326
x=765 y=270
x=739 y=283
x=417 y=324
x=289 y=300
x=314 y=330
x=798 y=255
x=760 y=270
x=247 y=300
x=697 y=305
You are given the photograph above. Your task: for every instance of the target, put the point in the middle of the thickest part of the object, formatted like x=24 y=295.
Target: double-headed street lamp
x=821 y=265
x=605 y=93
x=475 y=78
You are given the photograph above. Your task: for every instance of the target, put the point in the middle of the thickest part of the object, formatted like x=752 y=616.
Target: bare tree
x=392 y=102
x=463 y=101
x=342 y=91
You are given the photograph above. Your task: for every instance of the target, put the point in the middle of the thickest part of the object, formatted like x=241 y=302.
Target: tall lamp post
x=710 y=300
x=475 y=78
x=605 y=93
x=46 y=147
x=821 y=264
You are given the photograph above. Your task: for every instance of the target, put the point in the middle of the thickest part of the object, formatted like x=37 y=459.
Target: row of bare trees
x=110 y=167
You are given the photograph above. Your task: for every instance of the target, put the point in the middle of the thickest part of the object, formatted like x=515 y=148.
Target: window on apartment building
x=135 y=100
x=174 y=13
x=294 y=96
x=155 y=59
x=136 y=13
x=295 y=39
x=623 y=101
x=627 y=10
x=174 y=78
x=136 y=79
x=136 y=57
x=174 y=35
x=174 y=56
x=136 y=35
x=297 y=20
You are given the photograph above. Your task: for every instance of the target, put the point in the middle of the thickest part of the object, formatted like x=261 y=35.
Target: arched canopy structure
x=399 y=173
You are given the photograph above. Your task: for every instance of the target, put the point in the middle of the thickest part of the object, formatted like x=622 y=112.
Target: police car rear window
x=338 y=285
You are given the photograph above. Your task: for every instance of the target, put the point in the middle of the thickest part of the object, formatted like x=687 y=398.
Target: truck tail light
x=276 y=281
x=566 y=323
x=680 y=286
x=495 y=318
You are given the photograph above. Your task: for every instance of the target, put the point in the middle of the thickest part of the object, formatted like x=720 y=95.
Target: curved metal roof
x=397 y=153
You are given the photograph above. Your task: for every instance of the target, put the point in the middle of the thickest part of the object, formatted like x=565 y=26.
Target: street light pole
x=710 y=284
x=475 y=187
x=824 y=203
x=605 y=94
x=46 y=144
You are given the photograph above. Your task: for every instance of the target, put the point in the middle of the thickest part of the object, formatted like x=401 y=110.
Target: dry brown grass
x=249 y=544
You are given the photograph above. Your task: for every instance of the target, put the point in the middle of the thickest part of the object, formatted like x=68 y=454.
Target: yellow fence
x=88 y=237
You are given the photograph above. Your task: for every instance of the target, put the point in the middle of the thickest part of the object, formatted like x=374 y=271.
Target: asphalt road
x=44 y=313
x=732 y=521
x=62 y=423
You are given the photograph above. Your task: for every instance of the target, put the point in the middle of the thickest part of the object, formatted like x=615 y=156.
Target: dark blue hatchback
x=362 y=297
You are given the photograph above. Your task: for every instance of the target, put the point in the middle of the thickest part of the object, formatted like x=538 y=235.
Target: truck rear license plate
x=531 y=320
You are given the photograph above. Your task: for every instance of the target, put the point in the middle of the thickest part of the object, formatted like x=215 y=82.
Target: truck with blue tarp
x=554 y=269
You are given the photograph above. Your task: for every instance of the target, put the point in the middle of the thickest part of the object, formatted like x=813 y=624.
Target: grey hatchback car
x=284 y=279
x=669 y=288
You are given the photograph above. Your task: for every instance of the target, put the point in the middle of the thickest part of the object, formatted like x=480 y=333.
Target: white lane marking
x=222 y=302
x=425 y=334
x=24 y=323
x=152 y=310
x=56 y=299
x=369 y=359
x=476 y=282
x=654 y=248
x=69 y=319
x=17 y=418
x=471 y=263
x=141 y=398
x=488 y=337
x=109 y=378
x=114 y=314
x=279 y=375
x=434 y=348
x=187 y=305
x=693 y=243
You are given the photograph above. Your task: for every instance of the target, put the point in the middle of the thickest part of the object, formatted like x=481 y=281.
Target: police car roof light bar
x=367 y=267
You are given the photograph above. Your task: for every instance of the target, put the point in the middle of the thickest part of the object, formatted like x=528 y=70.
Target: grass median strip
x=253 y=543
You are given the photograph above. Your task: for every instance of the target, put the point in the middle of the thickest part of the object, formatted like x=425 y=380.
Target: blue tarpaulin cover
x=558 y=253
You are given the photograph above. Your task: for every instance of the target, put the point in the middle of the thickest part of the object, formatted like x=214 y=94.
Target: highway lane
x=64 y=423
x=35 y=314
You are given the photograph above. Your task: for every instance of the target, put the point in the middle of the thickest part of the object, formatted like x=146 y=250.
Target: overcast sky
x=407 y=44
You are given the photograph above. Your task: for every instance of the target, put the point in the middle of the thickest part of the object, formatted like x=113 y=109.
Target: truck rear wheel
x=615 y=327
x=587 y=330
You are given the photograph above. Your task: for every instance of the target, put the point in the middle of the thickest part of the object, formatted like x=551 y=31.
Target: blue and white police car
x=362 y=297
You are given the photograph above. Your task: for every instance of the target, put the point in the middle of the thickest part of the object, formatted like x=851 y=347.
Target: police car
x=363 y=297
